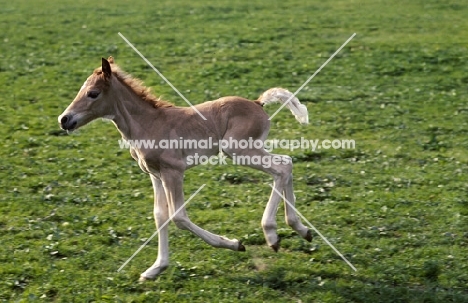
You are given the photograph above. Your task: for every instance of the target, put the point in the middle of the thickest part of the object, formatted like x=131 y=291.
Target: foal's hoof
x=241 y=247
x=276 y=246
x=142 y=279
x=145 y=278
x=308 y=236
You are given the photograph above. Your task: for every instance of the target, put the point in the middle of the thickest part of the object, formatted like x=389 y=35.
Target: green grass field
x=74 y=207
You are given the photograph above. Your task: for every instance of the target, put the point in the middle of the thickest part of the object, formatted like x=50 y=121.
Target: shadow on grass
x=347 y=288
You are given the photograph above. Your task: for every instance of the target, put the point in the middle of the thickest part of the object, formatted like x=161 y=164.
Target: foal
x=110 y=93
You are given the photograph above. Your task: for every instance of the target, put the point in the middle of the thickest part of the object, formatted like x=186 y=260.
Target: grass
x=74 y=208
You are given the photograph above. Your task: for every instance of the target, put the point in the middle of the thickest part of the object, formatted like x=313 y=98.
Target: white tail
x=282 y=95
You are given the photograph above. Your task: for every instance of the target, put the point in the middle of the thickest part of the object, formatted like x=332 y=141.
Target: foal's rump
x=241 y=119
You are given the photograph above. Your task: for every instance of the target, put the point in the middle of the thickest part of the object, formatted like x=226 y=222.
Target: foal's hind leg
x=280 y=167
x=290 y=212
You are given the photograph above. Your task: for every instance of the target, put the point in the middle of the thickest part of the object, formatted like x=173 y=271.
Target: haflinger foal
x=138 y=115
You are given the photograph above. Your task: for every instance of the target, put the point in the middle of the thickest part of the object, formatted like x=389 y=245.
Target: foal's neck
x=131 y=114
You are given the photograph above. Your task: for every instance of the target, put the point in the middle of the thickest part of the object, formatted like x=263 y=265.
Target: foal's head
x=92 y=100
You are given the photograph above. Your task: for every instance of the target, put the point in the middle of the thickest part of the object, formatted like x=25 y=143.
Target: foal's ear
x=106 y=68
x=110 y=59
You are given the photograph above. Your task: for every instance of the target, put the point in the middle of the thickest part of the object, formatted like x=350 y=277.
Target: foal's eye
x=93 y=94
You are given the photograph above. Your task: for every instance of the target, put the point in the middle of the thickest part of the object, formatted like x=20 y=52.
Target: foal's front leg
x=173 y=186
x=161 y=216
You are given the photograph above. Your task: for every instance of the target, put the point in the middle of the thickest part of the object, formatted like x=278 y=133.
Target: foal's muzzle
x=67 y=123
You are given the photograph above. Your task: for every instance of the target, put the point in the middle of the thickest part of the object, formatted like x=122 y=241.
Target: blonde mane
x=137 y=86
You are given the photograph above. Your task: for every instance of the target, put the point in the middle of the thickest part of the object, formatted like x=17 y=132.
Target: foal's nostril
x=64 y=120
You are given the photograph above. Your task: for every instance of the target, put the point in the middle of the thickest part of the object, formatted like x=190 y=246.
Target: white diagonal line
x=156 y=232
x=315 y=229
x=311 y=77
x=161 y=75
